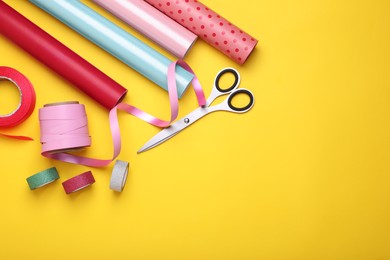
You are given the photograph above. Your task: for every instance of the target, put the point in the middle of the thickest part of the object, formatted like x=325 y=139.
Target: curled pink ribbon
x=73 y=133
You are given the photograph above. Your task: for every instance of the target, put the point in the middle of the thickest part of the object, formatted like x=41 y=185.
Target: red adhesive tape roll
x=78 y=182
x=27 y=100
x=27 y=97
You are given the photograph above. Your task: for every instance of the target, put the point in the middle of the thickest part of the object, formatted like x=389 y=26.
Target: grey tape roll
x=119 y=175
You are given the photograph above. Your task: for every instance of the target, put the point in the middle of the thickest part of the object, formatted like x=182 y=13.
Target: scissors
x=226 y=105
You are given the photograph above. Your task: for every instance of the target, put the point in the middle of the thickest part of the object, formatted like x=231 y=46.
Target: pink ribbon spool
x=64 y=128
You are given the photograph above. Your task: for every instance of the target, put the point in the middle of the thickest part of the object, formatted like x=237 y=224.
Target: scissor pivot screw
x=186 y=120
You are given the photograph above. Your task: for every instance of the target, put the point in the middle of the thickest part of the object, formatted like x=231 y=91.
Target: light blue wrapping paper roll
x=116 y=41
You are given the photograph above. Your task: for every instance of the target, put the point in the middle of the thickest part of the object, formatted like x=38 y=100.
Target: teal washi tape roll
x=116 y=41
x=42 y=178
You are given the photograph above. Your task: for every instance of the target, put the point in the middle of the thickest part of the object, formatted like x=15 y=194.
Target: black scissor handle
x=241 y=109
x=223 y=72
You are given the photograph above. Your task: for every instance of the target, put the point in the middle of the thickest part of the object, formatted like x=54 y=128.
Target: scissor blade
x=159 y=138
x=175 y=128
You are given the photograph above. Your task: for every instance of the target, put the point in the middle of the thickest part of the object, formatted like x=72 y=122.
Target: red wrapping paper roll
x=210 y=26
x=59 y=58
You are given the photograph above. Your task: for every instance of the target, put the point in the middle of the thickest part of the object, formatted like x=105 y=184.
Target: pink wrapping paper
x=153 y=24
x=209 y=26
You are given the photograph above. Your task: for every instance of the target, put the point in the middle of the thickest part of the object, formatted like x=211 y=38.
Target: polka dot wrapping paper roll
x=210 y=26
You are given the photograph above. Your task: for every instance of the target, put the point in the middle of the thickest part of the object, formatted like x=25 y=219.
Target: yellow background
x=304 y=175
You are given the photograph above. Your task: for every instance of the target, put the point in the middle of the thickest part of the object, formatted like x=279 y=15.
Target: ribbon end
x=18 y=137
x=25 y=138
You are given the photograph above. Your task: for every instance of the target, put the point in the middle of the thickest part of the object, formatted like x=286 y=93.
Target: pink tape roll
x=210 y=26
x=153 y=24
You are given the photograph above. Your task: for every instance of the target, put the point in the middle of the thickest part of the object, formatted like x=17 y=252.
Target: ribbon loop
x=173 y=99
